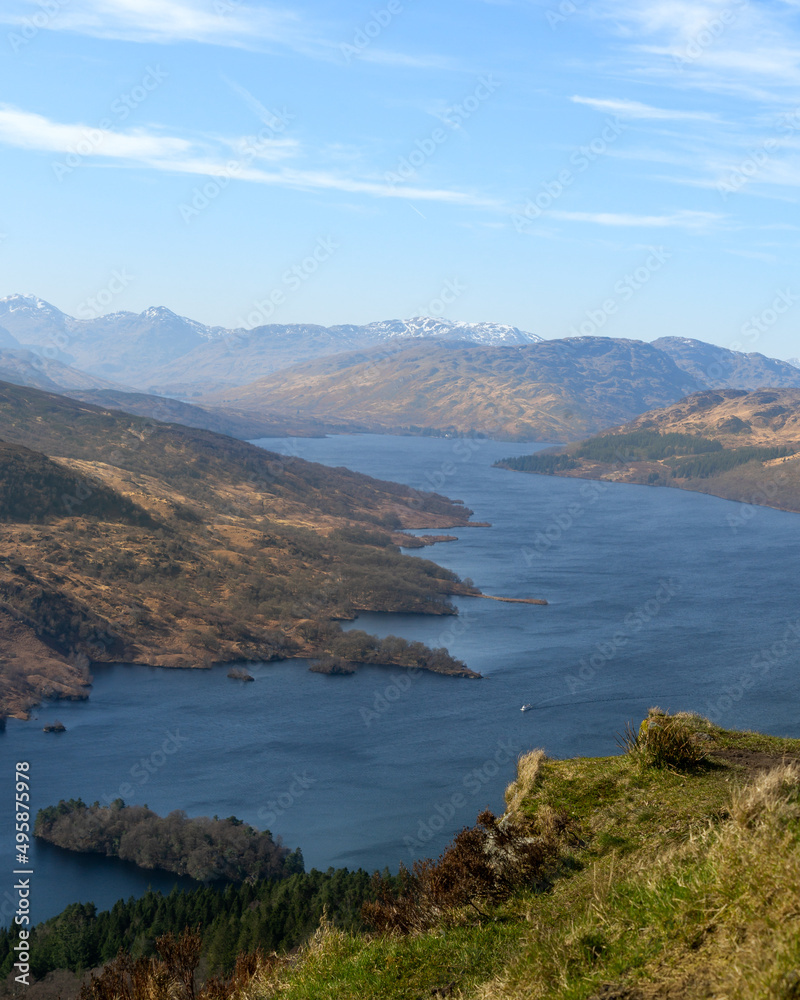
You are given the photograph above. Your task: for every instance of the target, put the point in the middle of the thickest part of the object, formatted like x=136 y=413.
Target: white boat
x=526 y=708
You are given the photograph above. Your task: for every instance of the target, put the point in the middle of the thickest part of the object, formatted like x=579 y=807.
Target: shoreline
x=513 y=600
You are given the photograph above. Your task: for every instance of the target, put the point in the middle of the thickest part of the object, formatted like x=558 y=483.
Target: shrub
x=663 y=741
x=173 y=975
x=484 y=864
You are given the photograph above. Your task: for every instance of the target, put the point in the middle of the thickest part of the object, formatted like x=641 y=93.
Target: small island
x=54 y=727
x=239 y=674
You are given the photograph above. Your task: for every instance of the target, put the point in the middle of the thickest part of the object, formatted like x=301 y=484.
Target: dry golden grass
x=528 y=769
x=714 y=916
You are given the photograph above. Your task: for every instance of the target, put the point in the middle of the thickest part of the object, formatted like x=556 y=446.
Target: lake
x=657 y=597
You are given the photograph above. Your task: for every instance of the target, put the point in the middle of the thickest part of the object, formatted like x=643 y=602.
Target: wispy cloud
x=719 y=46
x=165 y=21
x=26 y=130
x=635 y=109
x=767 y=258
x=683 y=219
x=230 y=23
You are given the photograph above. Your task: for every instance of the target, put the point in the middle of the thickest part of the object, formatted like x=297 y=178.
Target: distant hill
x=419 y=374
x=554 y=390
x=7 y=342
x=735 y=444
x=159 y=351
x=244 y=354
x=23 y=367
x=246 y=426
x=126 y=539
x=119 y=346
x=717 y=367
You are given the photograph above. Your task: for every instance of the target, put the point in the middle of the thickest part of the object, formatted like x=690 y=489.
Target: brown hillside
x=137 y=541
x=550 y=391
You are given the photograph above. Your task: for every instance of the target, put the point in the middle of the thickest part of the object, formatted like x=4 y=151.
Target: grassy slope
x=156 y=543
x=735 y=418
x=681 y=885
x=550 y=391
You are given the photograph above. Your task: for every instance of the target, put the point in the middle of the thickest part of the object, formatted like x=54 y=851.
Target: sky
x=566 y=166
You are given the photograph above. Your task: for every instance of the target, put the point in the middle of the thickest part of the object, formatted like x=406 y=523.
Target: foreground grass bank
x=674 y=881
x=671 y=870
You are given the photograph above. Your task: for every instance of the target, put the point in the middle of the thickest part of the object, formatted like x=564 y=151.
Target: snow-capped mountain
x=120 y=346
x=793 y=361
x=17 y=303
x=159 y=350
x=29 y=318
x=167 y=319
x=491 y=334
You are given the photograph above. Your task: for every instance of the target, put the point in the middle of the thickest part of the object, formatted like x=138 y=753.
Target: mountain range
x=159 y=351
x=554 y=390
x=416 y=375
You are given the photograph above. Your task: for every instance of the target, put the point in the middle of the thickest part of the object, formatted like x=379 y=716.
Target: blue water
x=656 y=597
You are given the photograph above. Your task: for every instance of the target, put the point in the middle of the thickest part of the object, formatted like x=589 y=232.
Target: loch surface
x=656 y=596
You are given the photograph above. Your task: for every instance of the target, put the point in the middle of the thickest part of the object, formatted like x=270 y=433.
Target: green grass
x=672 y=883
x=341 y=966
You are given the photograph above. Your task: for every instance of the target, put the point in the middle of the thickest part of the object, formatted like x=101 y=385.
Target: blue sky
x=566 y=167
